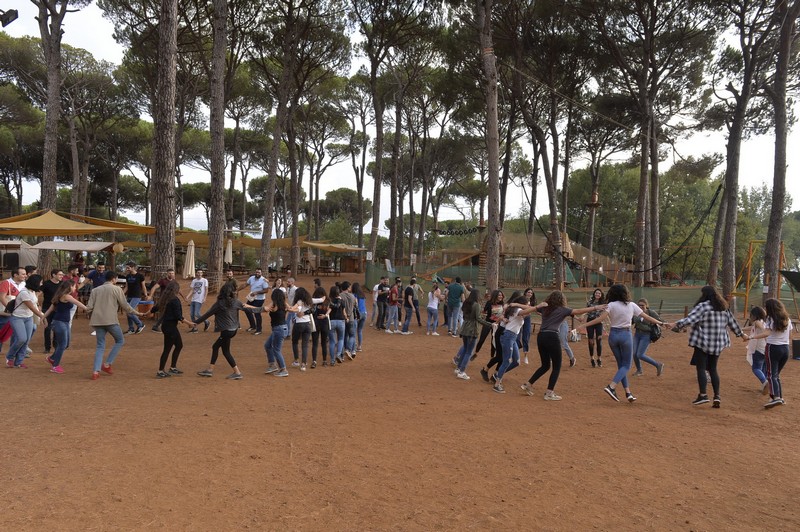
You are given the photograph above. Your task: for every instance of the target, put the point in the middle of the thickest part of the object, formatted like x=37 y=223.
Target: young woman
x=641 y=339
x=554 y=312
x=172 y=314
x=226 y=320
x=469 y=333
x=22 y=321
x=322 y=326
x=595 y=333
x=525 y=334
x=710 y=320
x=338 y=317
x=58 y=315
x=621 y=312
x=303 y=304
x=435 y=297
x=513 y=317
x=563 y=337
x=779 y=328
x=361 y=301
x=276 y=365
x=493 y=313
x=757 y=346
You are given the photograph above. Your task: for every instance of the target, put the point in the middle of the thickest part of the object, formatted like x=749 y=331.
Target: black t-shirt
x=134 y=281
x=383 y=293
x=408 y=293
x=277 y=317
x=48 y=291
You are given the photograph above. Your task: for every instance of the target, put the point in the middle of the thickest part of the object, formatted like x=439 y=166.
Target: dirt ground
x=389 y=441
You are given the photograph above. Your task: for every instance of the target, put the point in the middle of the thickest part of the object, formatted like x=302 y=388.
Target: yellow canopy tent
x=116 y=226
x=48 y=224
x=275 y=243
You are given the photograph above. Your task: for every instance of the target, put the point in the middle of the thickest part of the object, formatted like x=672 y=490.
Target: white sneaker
x=527 y=388
x=463 y=376
x=551 y=396
x=389 y=331
x=303 y=367
x=526 y=360
x=434 y=333
x=295 y=364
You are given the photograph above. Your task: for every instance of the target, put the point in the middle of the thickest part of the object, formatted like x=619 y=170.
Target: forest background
x=567 y=95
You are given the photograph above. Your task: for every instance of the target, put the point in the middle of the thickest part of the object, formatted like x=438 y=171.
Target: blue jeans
x=116 y=333
x=360 y=329
x=391 y=317
x=433 y=320
x=336 y=339
x=464 y=354
x=760 y=366
x=23 y=330
x=455 y=312
x=407 y=321
x=525 y=334
x=290 y=319
x=350 y=336
x=274 y=344
x=641 y=341
x=133 y=320
x=563 y=335
x=61 y=336
x=194 y=310
x=510 y=353
x=620 y=342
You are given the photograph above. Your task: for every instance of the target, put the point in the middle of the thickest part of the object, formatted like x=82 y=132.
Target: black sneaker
x=611 y=393
x=205 y=326
x=629 y=396
x=594 y=364
x=701 y=400
x=140 y=329
x=175 y=371
x=599 y=363
x=774 y=402
x=572 y=362
x=485 y=375
x=162 y=375
x=716 y=402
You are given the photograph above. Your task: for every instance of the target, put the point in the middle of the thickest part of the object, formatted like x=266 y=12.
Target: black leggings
x=595 y=330
x=549 y=345
x=224 y=342
x=703 y=361
x=497 y=349
x=485 y=330
x=172 y=342
x=301 y=330
x=320 y=337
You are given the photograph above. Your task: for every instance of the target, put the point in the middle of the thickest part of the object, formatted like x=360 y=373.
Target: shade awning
x=113 y=224
x=49 y=224
x=334 y=248
x=75 y=245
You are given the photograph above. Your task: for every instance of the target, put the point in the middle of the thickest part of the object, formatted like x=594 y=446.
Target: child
x=756 y=346
x=777 y=348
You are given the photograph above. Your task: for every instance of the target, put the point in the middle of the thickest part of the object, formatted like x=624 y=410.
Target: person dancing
x=469 y=333
x=527 y=326
x=777 y=348
x=595 y=333
x=172 y=314
x=60 y=308
x=303 y=304
x=513 y=317
x=554 y=312
x=276 y=365
x=641 y=340
x=226 y=320
x=710 y=320
x=322 y=326
x=757 y=346
x=621 y=311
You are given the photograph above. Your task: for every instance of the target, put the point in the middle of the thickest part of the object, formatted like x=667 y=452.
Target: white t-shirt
x=433 y=299
x=515 y=322
x=199 y=288
x=22 y=310
x=375 y=292
x=621 y=313
x=775 y=337
x=301 y=316
x=760 y=343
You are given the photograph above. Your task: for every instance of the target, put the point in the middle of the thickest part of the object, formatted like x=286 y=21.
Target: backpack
x=655 y=334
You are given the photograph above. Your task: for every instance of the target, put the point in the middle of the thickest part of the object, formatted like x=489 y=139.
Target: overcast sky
x=89 y=30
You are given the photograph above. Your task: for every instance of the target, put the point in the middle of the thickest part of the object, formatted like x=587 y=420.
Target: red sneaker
x=107 y=368
x=50 y=360
x=95 y=375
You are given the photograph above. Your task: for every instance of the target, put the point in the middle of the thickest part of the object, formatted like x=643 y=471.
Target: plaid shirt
x=709 y=328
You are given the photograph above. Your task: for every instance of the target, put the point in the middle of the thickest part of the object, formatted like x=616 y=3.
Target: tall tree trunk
x=640 y=231
x=216 y=228
x=395 y=240
x=163 y=181
x=494 y=225
x=653 y=211
x=509 y=145
x=377 y=176
x=294 y=194
x=787 y=15
x=237 y=158
x=719 y=236
x=75 y=163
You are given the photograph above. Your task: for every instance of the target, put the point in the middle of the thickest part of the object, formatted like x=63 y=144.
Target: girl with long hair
x=493 y=313
x=434 y=299
x=276 y=365
x=779 y=328
x=322 y=326
x=469 y=333
x=554 y=311
x=22 y=321
x=594 y=334
x=527 y=326
x=226 y=321
x=172 y=314
x=621 y=312
x=512 y=318
x=303 y=304
x=361 y=302
x=757 y=346
x=710 y=320
x=641 y=340
x=338 y=317
x=58 y=315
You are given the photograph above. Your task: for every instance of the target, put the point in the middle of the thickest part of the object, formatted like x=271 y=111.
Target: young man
x=455 y=296
x=394 y=306
x=49 y=288
x=98 y=275
x=373 y=321
x=199 y=291
x=408 y=305
x=350 y=303
x=105 y=302
x=259 y=286
x=290 y=291
x=383 y=302
x=135 y=291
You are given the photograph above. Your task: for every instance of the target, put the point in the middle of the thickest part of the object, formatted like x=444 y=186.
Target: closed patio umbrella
x=188 y=264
